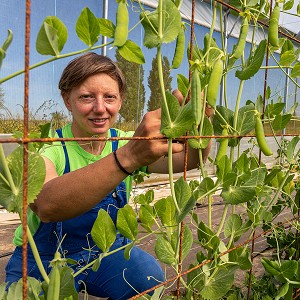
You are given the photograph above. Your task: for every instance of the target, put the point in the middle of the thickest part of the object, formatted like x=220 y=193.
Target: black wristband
x=119 y=164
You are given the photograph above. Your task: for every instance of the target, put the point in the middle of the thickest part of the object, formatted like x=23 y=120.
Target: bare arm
x=67 y=196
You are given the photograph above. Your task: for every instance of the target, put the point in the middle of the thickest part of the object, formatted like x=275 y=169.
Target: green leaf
x=280 y=121
x=242 y=163
x=67 y=286
x=207 y=238
x=219 y=283
x=241 y=256
x=291 y=148
x=170 y=28
x=182 y=192
x=187 y=241
x=132 y=52
x=87 y=27
x=221 y=118
x=52 y=36
x=289 y=268
x=127 y=250
x=182 y=84
x=127 y=222
x=257 y=177
x=2 y=290
x=187 y=208
x=287 y=58
x=271 y=267
x=296 y=70
x=232 y=225
x=288 y=5
x=237 y=195
x=165 y=209
x=104 y=231
x=207 y=130
x=205 y=187
x=253 y=63
x=245 y=121
x=282 y=291
x=13 y=202
x=274 y=109
x=223 y=167
x=106 y=27
x=181 y=120
x=164 y=251
x=147 y=217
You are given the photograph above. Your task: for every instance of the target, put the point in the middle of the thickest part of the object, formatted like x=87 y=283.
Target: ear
x=67 y=101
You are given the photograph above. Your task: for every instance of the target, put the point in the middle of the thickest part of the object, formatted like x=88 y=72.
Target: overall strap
x=67 y=166
x=113 y=133
x=66 y=170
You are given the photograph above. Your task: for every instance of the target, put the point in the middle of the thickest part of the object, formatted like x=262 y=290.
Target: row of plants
x=243 y=180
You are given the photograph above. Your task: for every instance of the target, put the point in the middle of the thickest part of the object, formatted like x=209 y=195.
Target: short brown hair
x=87 y=65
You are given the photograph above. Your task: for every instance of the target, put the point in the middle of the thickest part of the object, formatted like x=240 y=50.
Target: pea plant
x=254 y=194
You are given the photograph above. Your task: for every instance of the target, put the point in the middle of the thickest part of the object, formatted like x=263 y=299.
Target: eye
x=87 y=98
x=110 y=99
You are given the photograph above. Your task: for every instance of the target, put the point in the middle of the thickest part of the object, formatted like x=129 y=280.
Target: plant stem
x=236 y=113
x=6 y=171
x=171 y=178
x=53 y=59
x=37 y=256
x=224 y=214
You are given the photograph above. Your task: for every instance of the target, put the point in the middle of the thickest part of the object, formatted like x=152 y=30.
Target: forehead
x=98 y=82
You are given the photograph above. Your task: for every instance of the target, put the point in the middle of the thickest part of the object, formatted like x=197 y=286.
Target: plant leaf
x=181 y=120
x=51 y=37
x=132 y=52
x=88 y=27
x=104 y=231
x=296 y=70
x=237 y=194
x=13 y=202
x=171 y=25
x=106 y=27
x=127 y=222
x=164 y=251
x=253 y=63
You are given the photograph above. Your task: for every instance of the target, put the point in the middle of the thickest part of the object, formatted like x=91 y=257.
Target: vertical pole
x=104 y=15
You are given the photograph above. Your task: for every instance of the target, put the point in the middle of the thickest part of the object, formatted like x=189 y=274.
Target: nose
x=99 y=105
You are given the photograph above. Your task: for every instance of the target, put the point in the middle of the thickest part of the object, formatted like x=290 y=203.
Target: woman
x=82 y=177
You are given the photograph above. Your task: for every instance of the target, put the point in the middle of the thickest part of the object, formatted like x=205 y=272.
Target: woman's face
x=94 y=105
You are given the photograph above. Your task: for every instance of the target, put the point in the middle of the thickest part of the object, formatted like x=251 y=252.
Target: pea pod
x=214 y=83
x=260 y=136
x=239 y=49
x=8 y=40
x=122 y=22
x=223 y=145
x=273 y=26
x=179 y=49
x=54 y=284
x=196 y=100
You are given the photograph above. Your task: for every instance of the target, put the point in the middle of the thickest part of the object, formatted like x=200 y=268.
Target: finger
x=178 y=95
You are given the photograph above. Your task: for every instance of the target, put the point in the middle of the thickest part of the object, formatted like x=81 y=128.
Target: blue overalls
x=78 y=245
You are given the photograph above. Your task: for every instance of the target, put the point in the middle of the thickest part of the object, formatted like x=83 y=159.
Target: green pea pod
x=239 y=49
x=54 y=284
x=196 y=100
x=260 y=137
x=121 y=31
x=179 y=50
x=8 y=40
x=223 y=145
x=273 y=26
x=214 y=83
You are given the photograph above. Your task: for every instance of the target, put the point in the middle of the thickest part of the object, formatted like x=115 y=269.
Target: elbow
x=42 y=212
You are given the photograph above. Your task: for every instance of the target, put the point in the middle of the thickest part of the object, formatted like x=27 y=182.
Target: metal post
x=104 y=15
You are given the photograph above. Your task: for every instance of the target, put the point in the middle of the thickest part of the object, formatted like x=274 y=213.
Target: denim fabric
x=116 y=278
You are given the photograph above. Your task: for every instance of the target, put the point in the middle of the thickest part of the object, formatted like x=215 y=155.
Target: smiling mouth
x=99 y=120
